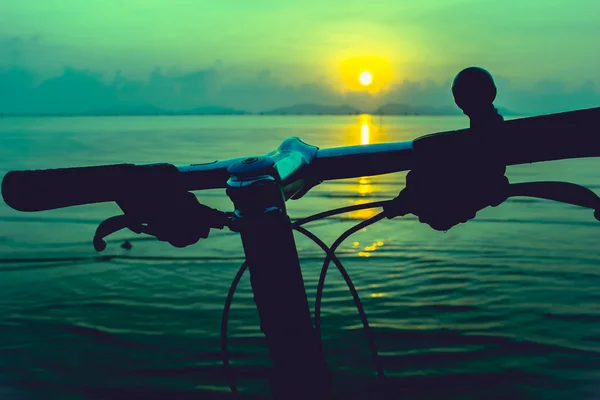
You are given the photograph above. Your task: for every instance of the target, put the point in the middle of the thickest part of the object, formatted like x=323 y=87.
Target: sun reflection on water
x=374 y=246
x=363 y=129
x=367 y=251
x=364 y=134
x=364 y=187
x=366 y=124
x=363 y=214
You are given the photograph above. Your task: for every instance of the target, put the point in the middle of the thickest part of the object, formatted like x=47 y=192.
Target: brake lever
x=564 y=192
x=114 y=224
x=106 y=228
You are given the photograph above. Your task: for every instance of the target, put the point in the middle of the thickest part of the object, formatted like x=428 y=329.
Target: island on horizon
x=306 y=109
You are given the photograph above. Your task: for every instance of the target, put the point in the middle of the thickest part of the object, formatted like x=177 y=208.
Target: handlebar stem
x=299 y=370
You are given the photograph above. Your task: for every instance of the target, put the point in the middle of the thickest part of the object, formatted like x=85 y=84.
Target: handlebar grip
x=39 y=190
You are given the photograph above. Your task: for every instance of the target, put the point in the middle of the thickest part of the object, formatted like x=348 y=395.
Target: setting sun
x=364 y=74
x=365 y=78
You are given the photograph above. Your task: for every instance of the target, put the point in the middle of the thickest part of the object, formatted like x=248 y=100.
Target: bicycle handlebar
x=518 y=141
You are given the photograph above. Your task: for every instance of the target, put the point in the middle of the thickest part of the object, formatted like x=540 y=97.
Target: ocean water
x=505 y=306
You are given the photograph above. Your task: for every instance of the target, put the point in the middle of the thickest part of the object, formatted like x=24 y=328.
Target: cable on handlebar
x=321 y=285
x=224 y=319
x=330 y=256
x=342 y=210
x=355 y=296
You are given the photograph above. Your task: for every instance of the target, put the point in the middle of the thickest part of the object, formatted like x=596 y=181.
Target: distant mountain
x=131 y=110
x=313 y=109
x=298 y=109
x=116 y=111
x=151 y=110
x=213 y=110
x=405 y=109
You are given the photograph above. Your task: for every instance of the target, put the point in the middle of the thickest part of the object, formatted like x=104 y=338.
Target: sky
x=74 y=55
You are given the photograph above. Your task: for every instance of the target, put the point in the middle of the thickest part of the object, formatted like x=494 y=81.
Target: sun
x=365 y=78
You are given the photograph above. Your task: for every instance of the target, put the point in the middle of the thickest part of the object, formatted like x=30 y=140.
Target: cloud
x=552 y=96
x=16 y=84
x=73 y=91
x=34 y=79
x=80 y=91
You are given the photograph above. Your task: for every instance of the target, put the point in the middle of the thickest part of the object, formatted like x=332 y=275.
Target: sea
x=505 y=306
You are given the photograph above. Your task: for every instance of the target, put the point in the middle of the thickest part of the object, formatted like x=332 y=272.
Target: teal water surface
x=505 y=306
